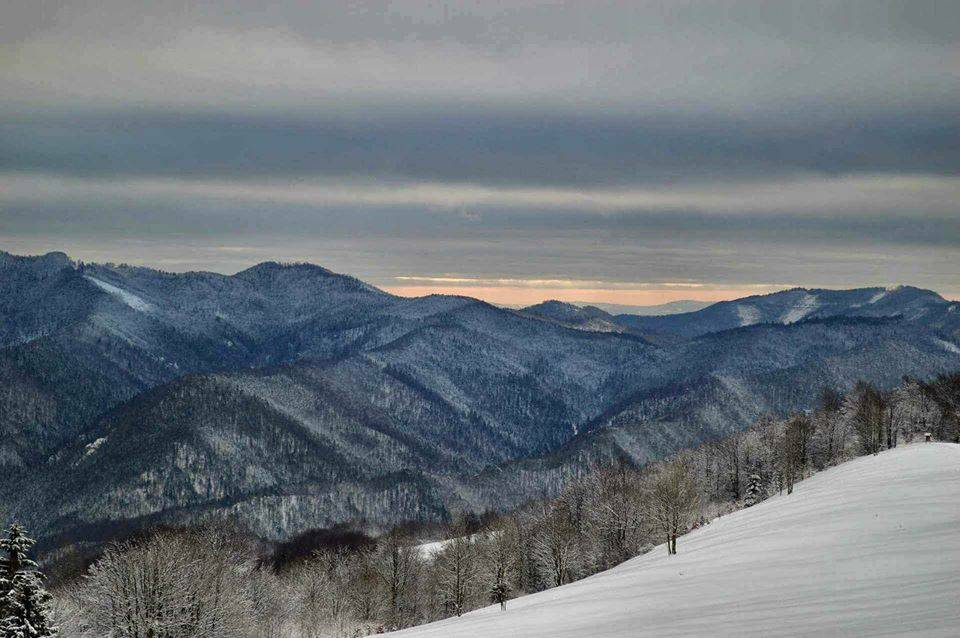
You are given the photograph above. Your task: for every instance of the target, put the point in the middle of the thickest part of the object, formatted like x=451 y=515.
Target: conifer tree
x=24 y=603
x=754 y=493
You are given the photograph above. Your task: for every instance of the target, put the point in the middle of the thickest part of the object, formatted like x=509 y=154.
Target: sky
x=625 y=152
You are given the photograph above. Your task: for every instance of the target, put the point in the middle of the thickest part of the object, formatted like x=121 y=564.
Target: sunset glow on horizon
x=529 y=295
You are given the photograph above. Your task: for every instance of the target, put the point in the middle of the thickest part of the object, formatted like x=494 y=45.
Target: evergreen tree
x=754 y=492
x=24 y=603
x=500 y=592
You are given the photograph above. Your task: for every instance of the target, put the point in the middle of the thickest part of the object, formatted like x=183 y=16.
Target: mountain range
x=290 y=397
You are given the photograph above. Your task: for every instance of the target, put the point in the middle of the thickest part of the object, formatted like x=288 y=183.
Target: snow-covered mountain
x=294 y=397
x=915 y=305
x=868 y=548
x=580 y=317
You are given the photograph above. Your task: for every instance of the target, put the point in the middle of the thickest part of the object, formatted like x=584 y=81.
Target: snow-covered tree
x=554 y=542
x=457 y=568
x=754 y=492
x=176 y=585
x=397 y=565
x=615 y=513
x=865 y=408
x=498 y=559
x=24 y=603
x=673 y=500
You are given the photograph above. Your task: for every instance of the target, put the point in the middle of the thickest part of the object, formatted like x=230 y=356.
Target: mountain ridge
x=388 y=407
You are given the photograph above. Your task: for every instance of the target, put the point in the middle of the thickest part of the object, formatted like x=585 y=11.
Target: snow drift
x=869 y=548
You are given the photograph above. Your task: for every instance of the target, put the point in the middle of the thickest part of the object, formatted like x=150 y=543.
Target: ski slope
x=869 y=548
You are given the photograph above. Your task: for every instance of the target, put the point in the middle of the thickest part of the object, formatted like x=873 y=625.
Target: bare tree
x=396 y=565
x=829 y=440
x=672 y=500
x=270 y=602
x=945 y=391
x=865 y=408
x=312 y=588
x=362 y=585
x=169 y=586
x=730 y=454
x=457 y=568
x=793 y=449
x=320 y=588
x=499 y=559
x=616 y=514
x=554 y=541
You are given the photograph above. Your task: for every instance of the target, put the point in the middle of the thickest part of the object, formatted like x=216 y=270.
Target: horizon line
x=526 y=291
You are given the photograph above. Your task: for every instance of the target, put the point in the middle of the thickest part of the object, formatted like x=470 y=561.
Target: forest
x=219 y=580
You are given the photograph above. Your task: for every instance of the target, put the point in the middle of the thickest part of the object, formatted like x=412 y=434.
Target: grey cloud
x=717 y=255
x=491 y=148
x=575 y=95
x=516 y=92
x=634 y=57
x=134 y=217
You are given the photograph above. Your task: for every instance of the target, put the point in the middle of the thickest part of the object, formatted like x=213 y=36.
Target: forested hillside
x=844 y=500
x=292 y=397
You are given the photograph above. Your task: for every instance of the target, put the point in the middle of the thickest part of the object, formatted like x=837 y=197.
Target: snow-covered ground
x=127 y=297
x=801 y=309
x=431 y=549
x=869 y=548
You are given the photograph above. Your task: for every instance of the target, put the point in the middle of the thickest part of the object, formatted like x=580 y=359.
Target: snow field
x=869 y=548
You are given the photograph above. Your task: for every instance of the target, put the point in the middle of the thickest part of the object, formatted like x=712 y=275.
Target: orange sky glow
x=529 y=295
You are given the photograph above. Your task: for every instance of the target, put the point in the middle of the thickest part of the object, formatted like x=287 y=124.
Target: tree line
x=214 y=581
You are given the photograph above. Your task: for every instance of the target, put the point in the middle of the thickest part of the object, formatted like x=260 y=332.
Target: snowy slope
x=127 y=297
x=914 y=305
x=869 y=548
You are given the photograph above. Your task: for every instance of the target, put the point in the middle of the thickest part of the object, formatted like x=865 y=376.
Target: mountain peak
x=51 y=261
x=588 y=318
x=798 y=304
x=561 y=310
x=276 y=266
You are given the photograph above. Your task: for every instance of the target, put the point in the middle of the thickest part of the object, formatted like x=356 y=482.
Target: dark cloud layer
x=492 y=148
x=735 y=142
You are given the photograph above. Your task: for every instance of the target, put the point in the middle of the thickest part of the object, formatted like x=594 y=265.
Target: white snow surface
x=430 y=550
x=807 y=304
x=749 y=315
x=868 y=548
x=127 y=297
x=946 y=345
x=93 y=447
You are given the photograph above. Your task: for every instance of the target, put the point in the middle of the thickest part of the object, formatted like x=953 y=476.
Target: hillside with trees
x=290 y=397
x=608 y=512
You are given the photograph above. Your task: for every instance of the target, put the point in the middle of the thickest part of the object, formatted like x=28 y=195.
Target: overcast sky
x=629 y=152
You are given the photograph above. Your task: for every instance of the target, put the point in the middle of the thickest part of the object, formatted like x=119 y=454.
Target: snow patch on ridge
x=749 y=315
x=801 y=309
x=93 y=447
x=132 y=300
x=946 y=345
